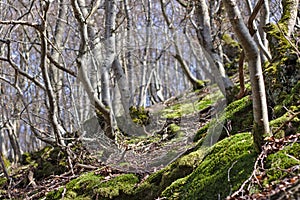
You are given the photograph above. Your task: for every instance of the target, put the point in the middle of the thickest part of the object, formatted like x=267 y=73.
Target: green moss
x=3 y=181
x=233 y=157
x=232 y=50
x=174 y=190
x=48 y=161
x=174 y=128
x=238 y=114
x=288 y=100
x=201 y=132
x=139 y=115
x=278 y=164
x=281 y=73
x=81 y=187
x=200 y=84
x=286 y=15
x=157 y=182
x=181 y=109
x=90 y=186
x=120 y=186
x=55 y=194
x=229 y=41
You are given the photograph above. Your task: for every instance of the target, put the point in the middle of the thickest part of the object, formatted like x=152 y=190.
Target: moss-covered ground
x=205 y=173
x=224 y=169
x=92 y=186
x=202 y=172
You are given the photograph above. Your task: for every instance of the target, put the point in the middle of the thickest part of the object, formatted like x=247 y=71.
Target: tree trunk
x=82 y=73
x=197 y=84
x=289 y=15
x=260 y=112
x=203 y=22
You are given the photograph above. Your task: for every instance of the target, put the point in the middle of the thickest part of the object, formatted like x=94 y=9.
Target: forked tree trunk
x=260 y=112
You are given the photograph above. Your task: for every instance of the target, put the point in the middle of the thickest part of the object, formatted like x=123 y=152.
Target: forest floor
x=167 y=161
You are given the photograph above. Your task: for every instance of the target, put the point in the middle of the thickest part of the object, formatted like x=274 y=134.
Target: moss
x=174 y=128
x=120 y=187
x=286 y=15
x=6 y=161
x=157 y=182
x=48 y=161
x=139 y=115
x=238 y=117
x=278 y=164
x=3 y=181
x=232 y=50
x=174 y=190
x=200 y=84
x=201 y=132
x=229 y=41
x=185 y=108
x=55 y=194
x=232 y=157
x=289 y=128
x=81 y=187
x=90 y=186
x=281 y=73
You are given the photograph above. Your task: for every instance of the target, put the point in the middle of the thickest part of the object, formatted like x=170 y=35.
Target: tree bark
x=82 y=74
x=197 y=84
x=203 y=22
x=289 y=15
x=260 y=112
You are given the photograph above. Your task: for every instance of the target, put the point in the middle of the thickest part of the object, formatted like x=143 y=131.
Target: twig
x=286 y=122
x=241 y=190
x=228 y=175
x=85 y=166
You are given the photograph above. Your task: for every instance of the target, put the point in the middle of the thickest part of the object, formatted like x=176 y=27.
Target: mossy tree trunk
x=260 y=112
x=289 y=15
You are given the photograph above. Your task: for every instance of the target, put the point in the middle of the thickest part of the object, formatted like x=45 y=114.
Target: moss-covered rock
x=285 y=125
x=186 y=107
x=139 y=115
x=223 y=170
x=232 y=50
x=92 y=186
x=238 y=117
x=48 y=161
x=277 y=164
x=152 y=187
x=282 y=72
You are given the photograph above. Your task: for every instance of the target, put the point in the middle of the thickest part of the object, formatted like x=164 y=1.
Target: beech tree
x=260 y=111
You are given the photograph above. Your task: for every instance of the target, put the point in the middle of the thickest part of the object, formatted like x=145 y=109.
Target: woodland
x=149 y=99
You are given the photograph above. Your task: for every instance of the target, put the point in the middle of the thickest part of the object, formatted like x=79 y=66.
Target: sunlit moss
x=90 y=186
x=238 y=115
x=277 y=164
x=121 y=185
x=157 y=182
x=232 y=157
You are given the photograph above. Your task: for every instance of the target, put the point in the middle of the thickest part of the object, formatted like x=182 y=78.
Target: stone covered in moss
x=232 y=50
x=238 y=117
x=157 y=182
x=48 y=161
x=139 y=115
x=189 y=105
x=282 y=73
x=223 y=170
x=278 y=164
x=92 y=186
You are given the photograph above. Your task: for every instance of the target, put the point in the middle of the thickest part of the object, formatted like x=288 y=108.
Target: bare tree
x=260 y=112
